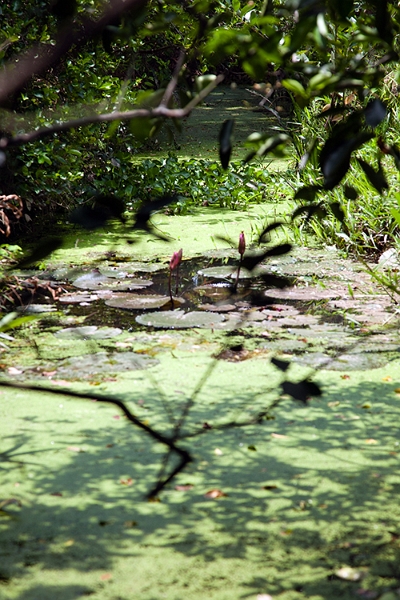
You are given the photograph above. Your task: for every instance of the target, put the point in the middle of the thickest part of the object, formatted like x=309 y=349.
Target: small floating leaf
x=184 y=488
x=177 y=319
x=102 y=364
x=349 y=574
x=215 y=493
x=95 y=280
x=138 y=302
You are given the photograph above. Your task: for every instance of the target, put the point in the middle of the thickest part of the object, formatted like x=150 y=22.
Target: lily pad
x=89 y=331
x=177 y=319
x=97 y=281
x=218 y=307
x=78 y=298
x=224 y=272
x=138 y=302
x=130 y=266
x=90 y=365
x=345 y=362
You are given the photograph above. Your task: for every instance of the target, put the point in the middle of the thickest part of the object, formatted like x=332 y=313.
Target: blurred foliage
x=336 y=61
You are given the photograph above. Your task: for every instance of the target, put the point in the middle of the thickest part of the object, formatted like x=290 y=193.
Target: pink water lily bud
x=175 y=260
x=242 y=244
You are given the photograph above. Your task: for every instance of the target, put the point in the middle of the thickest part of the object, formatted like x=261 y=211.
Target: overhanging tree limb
x=160 y=111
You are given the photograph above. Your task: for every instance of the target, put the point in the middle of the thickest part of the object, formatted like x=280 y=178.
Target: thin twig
x=173 y=81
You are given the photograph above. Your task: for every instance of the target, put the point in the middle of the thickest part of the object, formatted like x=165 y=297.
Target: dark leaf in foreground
x=63 y=9
x=143 y=215
x=250 y=262
x=270 y=145
x=337 y=211
x=392 y=150
x=375 y=112
x=335 y=157
x=302 y=390
x=383 y=21
x=276 y=281
x=312 y=210
x=307 y=193
x=282 y=365
x=376 y=178
x=350 y=192
x=40 y=252
x=264 y=237
x=225 y=142
x=96 y=213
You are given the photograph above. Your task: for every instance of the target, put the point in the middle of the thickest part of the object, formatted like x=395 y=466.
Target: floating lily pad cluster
x=121 y=291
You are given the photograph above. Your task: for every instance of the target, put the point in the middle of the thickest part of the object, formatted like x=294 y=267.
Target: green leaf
x=396 y=215
x=142 y=129
x=13 y=320
x=292 y=85
x=203 y=81
x=271 y=144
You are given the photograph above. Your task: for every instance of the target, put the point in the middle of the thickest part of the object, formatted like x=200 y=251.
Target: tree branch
x=160 y=111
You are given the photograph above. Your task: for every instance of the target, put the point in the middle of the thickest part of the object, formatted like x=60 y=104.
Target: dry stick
x=159 y=111
x=184 y=455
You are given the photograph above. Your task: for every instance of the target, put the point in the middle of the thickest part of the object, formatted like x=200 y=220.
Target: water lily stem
x=238 y=274
x=170 y=288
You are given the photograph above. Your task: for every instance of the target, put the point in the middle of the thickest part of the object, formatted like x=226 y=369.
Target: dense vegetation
x=69 y=133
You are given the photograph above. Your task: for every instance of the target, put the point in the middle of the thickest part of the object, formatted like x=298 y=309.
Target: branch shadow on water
x=323 y=496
